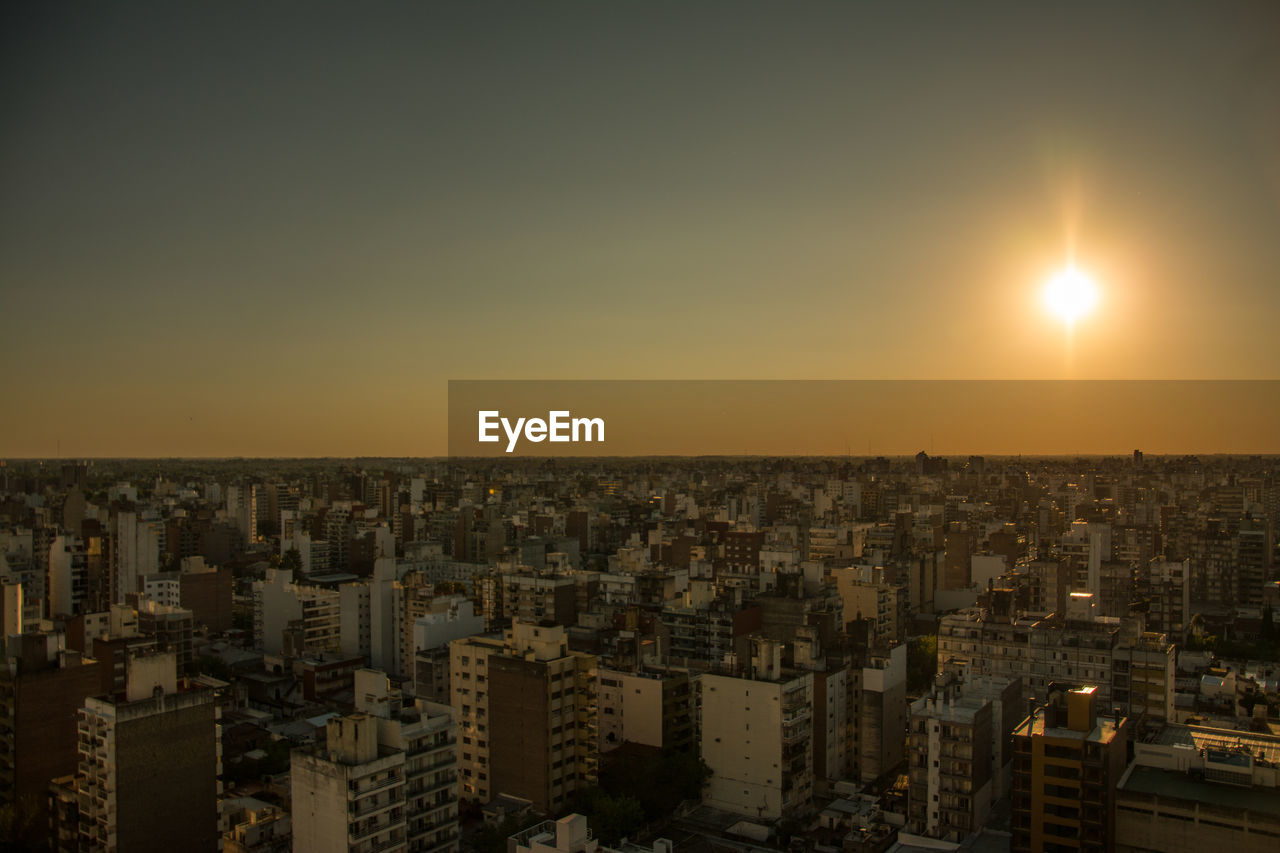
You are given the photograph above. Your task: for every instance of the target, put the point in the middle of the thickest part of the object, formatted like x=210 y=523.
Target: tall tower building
x=527 y=719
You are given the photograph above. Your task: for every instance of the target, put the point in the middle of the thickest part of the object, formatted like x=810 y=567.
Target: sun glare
x=1070 y=294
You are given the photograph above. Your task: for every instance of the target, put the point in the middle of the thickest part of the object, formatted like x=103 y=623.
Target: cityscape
x=640 y=427
x=735 y=654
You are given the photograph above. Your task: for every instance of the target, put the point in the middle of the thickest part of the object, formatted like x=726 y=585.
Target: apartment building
x=1068 y=759
x=281 y=605
x=650 y=707
x=148 y=770
x=527 y=715
x=1142 y=677
x=958 y=752
x=757 y=737
x=42 y=684
x=1073 y=646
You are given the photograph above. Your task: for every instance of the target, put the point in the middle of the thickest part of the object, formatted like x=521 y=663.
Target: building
x=757 y=737
x=958 y=752
x=384 y=778
x=1072 y=646
x=280 y=604
x=1068 y=759
x=1192 y=789
x=527 y=715
x=882 y=713
x=571 y=834
x=170 y=629
x=654 y=708
x=207 y=592
x=253 y=826
x=148 y=774
x=1142 y=677
x=42 y=684
x=1166 y=588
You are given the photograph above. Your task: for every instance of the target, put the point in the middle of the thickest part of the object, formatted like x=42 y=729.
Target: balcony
x=370 y=830
x=361 y=790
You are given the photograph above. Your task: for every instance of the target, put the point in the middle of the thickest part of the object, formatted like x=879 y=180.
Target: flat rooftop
x=1179 y=785
x=1263 y=747
x=1104 y=729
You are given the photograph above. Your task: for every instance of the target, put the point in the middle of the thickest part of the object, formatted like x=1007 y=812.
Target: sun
x=1070 y=294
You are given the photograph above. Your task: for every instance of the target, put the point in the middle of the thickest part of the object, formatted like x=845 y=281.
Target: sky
x=281 y=229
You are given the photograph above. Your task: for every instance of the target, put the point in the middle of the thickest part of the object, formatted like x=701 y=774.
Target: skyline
x=232 y=232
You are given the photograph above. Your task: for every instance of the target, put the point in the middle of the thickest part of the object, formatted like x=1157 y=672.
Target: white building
x=384 y=778
x=757 y=738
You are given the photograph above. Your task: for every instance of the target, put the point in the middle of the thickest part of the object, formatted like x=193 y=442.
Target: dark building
x=41 y=686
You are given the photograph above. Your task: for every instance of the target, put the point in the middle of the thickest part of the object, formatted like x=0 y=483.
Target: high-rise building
x=1068 y=759
x=1142 y=677
x=527 y=716
x=42 y=683
x=757 y=737
x=384 y=778
x=68 y=576
x=148 y=774
x=959 y=747
x=281 y=605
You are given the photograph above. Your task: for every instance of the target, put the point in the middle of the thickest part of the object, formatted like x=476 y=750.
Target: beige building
x=1142 y=677
x=383 y=779
x=757 y=737
x=281 y=605
x=650 y=708
x=527 y=715
x=1191 y=789
x=1074 y=647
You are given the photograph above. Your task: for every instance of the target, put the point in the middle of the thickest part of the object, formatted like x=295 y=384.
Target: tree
x=214 y=666
x=492 y=838
x=291 y=560
x=611 y=818
x=922 y=663
x=658 y=781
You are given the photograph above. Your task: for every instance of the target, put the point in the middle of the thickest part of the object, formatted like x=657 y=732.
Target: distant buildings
x=763 y=613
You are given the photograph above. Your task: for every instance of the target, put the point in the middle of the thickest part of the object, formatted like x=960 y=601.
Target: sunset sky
x=280 y=229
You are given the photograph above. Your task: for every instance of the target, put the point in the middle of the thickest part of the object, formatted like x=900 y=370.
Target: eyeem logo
x=558 y=427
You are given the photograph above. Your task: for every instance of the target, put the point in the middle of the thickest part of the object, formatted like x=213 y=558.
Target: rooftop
x=1263 y=747
x=1104 y=729
x=1179 y=785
